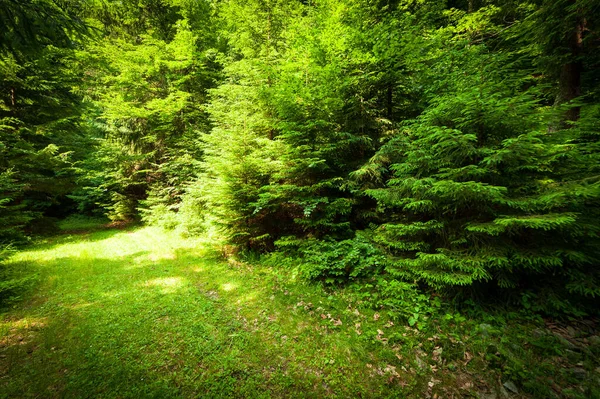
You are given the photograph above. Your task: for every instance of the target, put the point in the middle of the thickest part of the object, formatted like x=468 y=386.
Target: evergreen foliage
x=478 y=189
x=404 y=146
x=40 y=128
x=145 y=82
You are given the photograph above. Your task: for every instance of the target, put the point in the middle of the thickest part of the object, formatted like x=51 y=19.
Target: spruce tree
x=40 y=128
x=478 y=190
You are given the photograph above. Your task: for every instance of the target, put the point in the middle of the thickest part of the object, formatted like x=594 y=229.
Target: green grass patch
x=144 y=313
x=82 y=223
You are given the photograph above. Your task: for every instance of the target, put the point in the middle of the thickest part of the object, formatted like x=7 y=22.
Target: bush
x=185 y=216
x=160 y=215
x=190 y=215
x=337 y=261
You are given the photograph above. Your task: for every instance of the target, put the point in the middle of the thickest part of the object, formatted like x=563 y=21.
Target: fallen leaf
x=468 y=358
x=437 y=352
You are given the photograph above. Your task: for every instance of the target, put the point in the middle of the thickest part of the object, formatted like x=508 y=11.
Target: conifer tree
x=147 y=81
x=478 y=190
x=39 y=114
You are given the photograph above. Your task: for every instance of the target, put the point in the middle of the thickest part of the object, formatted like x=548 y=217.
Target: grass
x=80 y=223
x=144 y=313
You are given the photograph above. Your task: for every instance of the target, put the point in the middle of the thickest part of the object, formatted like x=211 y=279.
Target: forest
x=434 y=165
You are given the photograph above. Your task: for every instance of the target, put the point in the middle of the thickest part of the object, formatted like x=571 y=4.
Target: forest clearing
x=300 y=198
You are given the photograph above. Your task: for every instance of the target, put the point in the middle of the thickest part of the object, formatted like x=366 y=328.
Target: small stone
x=437 y=353
x=511 y=386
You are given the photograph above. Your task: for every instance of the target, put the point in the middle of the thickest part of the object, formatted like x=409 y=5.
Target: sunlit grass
x=144 y=313
x=139 y=313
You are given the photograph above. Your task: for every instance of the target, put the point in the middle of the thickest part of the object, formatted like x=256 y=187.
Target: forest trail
x=143 y=313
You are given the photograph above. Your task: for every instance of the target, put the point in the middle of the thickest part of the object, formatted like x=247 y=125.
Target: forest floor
x=143 y=313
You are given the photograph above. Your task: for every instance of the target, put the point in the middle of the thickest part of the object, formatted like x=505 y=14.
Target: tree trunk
x=569 y=86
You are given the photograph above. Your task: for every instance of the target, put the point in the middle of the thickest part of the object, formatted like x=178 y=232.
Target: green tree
x=479 y=191
x=148 y=81
x=39 y=113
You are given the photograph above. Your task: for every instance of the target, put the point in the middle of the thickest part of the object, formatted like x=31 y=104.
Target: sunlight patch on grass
x=168 y=284
x=156 y=257
x=20 y=332
x=150 y=259
x=229 y=286
x=248 y=298
x=25 y=323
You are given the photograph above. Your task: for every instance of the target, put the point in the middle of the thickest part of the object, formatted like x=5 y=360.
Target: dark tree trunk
x=569 y=86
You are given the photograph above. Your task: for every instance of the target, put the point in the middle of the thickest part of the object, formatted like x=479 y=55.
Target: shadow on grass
x=96 y=233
